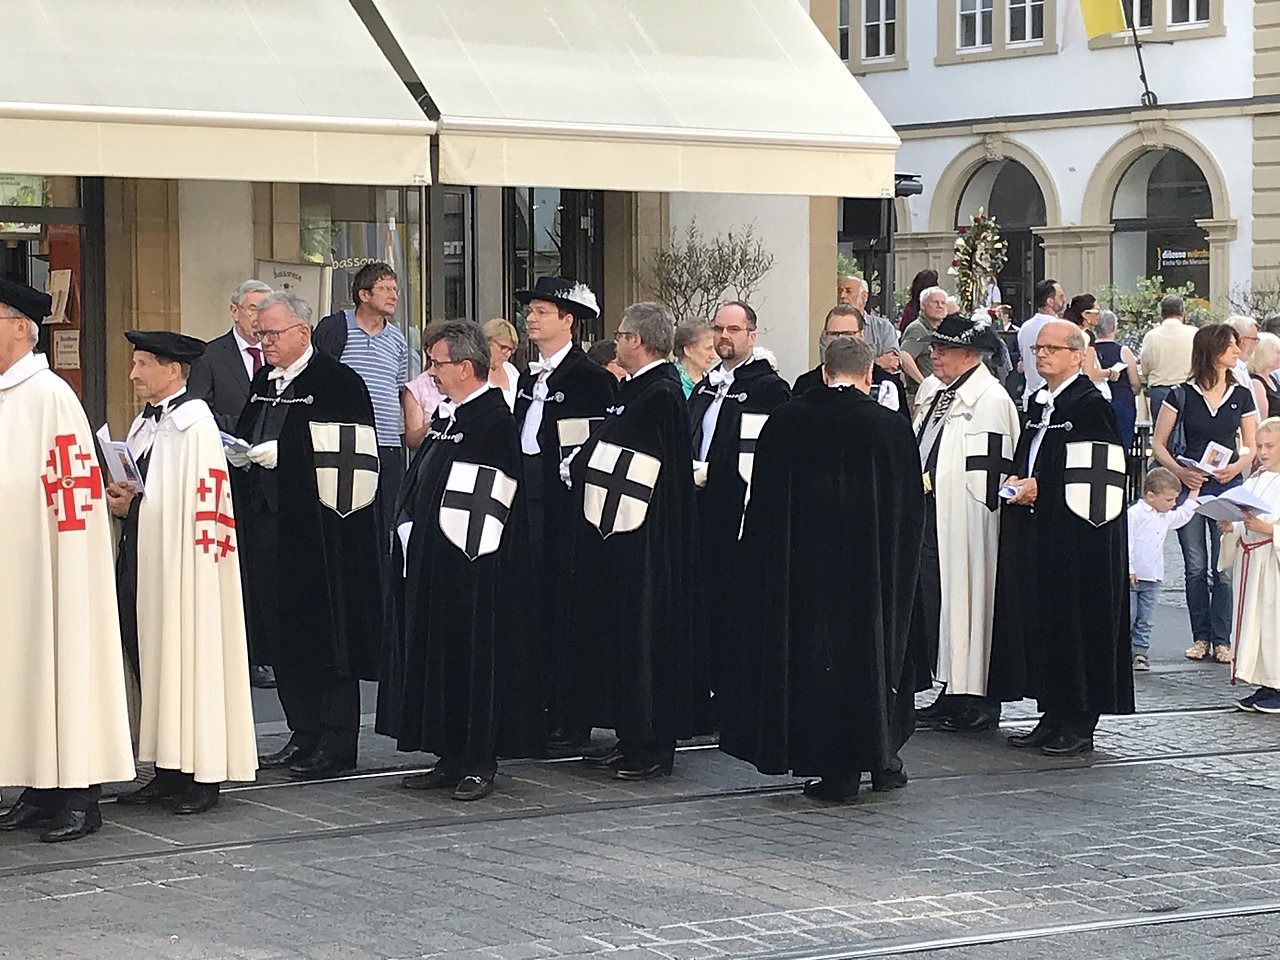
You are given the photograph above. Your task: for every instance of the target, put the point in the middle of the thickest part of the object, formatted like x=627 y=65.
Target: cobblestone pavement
x=1177 y=811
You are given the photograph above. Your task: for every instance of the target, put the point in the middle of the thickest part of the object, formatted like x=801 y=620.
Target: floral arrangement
x=979 y=255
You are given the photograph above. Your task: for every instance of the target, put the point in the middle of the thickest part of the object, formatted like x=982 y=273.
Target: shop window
x=1010 y=192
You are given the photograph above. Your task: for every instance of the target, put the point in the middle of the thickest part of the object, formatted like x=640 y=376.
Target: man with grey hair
x=915 y=339
x=636 y=619
x=1166 y=352
x=459 y=679
x=62 y=690
x=879 y=332
x=310 y=539
x=221 y=377
x=1247 y=329
x=823 y=671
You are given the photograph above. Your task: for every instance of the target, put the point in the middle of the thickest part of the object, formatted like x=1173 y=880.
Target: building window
x=842 y=29
x=1026 y=21
x=975 y=24
x=1187 y=12
x=1143 y=10
x=879 y=29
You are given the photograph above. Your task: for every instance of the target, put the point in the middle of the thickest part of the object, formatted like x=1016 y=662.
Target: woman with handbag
x=1211 y=407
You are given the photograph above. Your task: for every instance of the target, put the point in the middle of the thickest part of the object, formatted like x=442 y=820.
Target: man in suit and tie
x=221 y=378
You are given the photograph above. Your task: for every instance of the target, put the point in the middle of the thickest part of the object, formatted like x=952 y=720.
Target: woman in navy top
x=1212 y=407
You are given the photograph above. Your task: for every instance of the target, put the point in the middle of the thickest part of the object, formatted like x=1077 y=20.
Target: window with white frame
x=1026 y=21
x=842 y=28
x=879 y=29
x=1139 y=8
x=1188 y=12
x=974 y=28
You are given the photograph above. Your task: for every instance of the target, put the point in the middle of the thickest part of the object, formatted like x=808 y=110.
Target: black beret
x=26 y=300
x=166 y=344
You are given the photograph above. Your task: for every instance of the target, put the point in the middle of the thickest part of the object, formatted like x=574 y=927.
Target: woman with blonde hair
x=1262 y=363
x=503 y=340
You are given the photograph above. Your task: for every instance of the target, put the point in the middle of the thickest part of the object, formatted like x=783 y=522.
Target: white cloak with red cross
x=196 y=714
x=62 y=692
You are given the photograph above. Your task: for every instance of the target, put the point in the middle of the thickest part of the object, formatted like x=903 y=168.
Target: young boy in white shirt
x=1150 y=520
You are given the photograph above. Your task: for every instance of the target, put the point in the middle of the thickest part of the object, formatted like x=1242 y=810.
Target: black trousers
x=390 y=476
x=320 y=707
x=927 y=616
x=59 y=798
x=1077 y=722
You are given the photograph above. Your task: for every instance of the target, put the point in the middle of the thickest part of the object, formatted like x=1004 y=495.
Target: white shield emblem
x=475 y=506
x=988 y=460
x=619 y=485
x=346 y=457
x=573 y=432
x=1094 y=480
x=748 y=434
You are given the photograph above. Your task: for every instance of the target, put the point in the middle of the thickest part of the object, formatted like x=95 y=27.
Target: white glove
x=699 y=473
x=264 y=454
x=564 y=468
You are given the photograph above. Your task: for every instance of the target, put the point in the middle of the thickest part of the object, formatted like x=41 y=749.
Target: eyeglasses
x=829 y=335
x=628 y=334
x=433 y=363
x=386 y=288
x=503 y=348
x=732 y=330
x=1049 y=348
x=271 y=336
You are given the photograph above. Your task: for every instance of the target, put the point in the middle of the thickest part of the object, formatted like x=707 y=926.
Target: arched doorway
x=1155 y=208
x=1008 y=191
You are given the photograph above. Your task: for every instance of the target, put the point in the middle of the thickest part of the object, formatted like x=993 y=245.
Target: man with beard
x=822 y=684
x=727 y=411
x=1062 y=592
x=461 y=679
x=559 y=400
x=845 y=320
x=633 y=482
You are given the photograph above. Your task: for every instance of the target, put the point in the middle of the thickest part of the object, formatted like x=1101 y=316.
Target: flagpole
x=1149 y=99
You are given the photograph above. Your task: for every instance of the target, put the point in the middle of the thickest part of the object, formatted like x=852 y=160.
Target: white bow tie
x=1044 y=397
x=277 y=373
x=719 y=377
x=446 y=409
x=539 y=367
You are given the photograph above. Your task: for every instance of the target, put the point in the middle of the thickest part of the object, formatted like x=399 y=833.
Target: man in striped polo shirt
x=368 y=341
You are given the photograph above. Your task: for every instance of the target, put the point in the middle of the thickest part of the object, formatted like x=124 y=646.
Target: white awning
x=285 y=90
x=736 y=96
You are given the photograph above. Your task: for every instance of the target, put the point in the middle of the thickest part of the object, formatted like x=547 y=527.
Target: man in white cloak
x=967 y=431
x=179 y=544
x=62 y=695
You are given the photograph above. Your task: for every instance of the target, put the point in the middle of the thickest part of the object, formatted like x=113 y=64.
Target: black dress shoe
x=473 y=788
x=633 y=770
x=165 y=784
x=198 y=798
x=609 y=761
x=264 y=678
x=833 y=791
x=23 y=814
x=295 y=751
x=1067 y=745
x=72 y=825
x=882 y=780
x=973 y=720
x=943 y=705
x=322 y=764
x=437 y=778
x=1044 y=731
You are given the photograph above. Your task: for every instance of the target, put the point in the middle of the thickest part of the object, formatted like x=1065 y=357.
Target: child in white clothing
x=1150 y=520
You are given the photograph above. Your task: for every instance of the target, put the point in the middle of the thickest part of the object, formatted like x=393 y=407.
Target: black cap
x=28 y=301
x=570 y=295
x=957 y=330
x=166 y=344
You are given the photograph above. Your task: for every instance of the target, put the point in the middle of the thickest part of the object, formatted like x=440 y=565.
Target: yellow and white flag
x=1102 y=17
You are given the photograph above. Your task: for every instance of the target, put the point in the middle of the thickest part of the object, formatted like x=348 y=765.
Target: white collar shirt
x=1047 y=397
x=533 y=416
x=245 y=356
x=1148 y=529
x=722 y=380
x=283 y=376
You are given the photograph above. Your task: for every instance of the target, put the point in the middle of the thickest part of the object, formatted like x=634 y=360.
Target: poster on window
x=20 y=191
x=310 y=281
x=1180 y=257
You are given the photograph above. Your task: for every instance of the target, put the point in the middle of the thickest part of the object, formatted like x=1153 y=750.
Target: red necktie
x=256 y=354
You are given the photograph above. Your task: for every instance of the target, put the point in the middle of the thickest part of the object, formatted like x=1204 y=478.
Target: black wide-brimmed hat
x=166 y=344
x=972 y=333
x=28 y=301
x=571 y=295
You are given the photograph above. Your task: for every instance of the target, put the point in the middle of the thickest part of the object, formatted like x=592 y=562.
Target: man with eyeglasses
x=1246 y=329
x=1062 y=586
x=310 y=539
x=726 y=411
x=365 y=337
x=846 y=320
x=560 y=399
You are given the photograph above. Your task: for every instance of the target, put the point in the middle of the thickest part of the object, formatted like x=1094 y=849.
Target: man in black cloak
x=1062 y=583
x=310 y=538
x=461 y=678
x=559 y=400
x=636 y=614
x=823 y=679
x=727 y=410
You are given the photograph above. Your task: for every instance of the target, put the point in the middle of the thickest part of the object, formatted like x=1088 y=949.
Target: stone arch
x=990 y=149
x=1115 y=163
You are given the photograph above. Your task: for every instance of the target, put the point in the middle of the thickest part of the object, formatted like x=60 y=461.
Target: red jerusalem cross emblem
x=72 y=482
x=214 y=490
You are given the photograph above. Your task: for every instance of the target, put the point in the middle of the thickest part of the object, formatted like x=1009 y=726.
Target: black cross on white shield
x=988 y=460
x=748 y=433
x=618 y=487
x=346 y=456
x=572 y=432
x=1094 y=481
x=475 y=506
